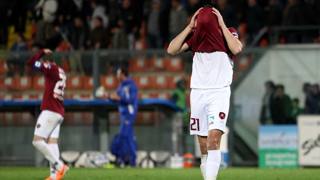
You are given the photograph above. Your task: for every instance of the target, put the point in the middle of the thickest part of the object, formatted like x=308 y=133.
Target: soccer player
x=126 y=96
x=210 y=41
x=47 y=129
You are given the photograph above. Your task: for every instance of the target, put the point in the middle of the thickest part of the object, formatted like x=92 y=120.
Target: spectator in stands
x=265 y=113
x=280 y=106
x=193 y=6
x=296 y=110
x=227 y=12
x=98 y=37
x=311 y=99
x=99 y=11
x=20 y=44
x=154 y=37
x=47 y=32
x=78 y=34
x=273 y=13
x=119 y=36
x=178 y=17
x=255 y=19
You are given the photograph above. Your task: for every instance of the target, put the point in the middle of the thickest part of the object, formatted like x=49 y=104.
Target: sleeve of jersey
x=36 y=64
x=189 y=40
x=234 y=32
x=34 y=61
x=129 y=94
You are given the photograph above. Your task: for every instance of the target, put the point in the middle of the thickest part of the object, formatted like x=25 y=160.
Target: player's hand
x=47 y=51
x=220 y=18
x=114 y=96
x=192 y=23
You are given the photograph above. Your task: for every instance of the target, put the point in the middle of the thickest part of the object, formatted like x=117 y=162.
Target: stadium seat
x=23 y=82
x=87 y=82
x=137 y=65
x=8 y=83
x=38 y=82
x=109 y=82
x=174 y=64
x=157 y=64
x=74 y=82
x=144 y=82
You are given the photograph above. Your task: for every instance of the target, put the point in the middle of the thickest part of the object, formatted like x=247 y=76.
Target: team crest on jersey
x=222 y=115
x=38 y=126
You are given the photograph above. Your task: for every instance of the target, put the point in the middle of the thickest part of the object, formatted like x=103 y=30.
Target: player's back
x=55 y=82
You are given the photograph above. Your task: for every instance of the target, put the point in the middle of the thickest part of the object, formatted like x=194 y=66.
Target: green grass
x=25 y=173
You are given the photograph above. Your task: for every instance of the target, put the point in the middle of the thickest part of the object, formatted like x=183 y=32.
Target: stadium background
x=91 y=38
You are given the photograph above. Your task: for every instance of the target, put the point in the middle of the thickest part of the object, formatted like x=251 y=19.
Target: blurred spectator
x=178 y=18
x=311 y=99
x=98 y=36
x=273 y=13
x=193 y=6
x=119 y=37
x=255 y=19
x=296 y=110
x=280 y=106
x=78 y=34
x=228 y=13
x=48 y=34
x=20 y=44
x=265 y=113
x=99 y=11
x=154 y=37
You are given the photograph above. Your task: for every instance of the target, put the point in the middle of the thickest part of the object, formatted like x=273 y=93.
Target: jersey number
x=194 y=124
x=58 y=90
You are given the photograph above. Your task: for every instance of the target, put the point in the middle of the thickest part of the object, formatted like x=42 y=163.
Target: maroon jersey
x=207 y=36
x=55 y=82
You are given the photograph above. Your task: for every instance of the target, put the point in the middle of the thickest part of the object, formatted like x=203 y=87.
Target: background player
x=124 y=144
x=47 y=129
x=210 y=40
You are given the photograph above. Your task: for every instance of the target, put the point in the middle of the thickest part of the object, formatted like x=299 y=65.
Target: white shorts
x=209 y=110
x=48 y=124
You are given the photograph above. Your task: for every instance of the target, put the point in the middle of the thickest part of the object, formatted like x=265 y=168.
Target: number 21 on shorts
x=194 y=124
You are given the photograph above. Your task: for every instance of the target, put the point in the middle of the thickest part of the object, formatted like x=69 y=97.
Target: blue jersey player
x=126 y=96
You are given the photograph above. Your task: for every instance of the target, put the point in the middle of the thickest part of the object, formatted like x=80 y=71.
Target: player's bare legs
x=214 y=154
x=204 y=153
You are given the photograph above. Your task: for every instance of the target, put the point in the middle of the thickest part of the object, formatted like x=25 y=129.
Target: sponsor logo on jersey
x=37 y=64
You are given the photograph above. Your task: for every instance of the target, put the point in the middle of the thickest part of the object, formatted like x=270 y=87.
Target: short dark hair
x=208 y=3
x=124 y=70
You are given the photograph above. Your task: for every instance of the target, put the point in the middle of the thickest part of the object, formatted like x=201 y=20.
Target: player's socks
x=43 y=147
x=203 y=165
x=213 y=164
x=55 y=149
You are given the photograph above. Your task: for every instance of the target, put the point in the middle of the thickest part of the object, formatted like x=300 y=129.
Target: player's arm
x=234 y=43
x=129 y=94
x=37 y=64
x=178 y=44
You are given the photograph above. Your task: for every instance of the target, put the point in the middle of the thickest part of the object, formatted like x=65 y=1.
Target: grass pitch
x=26 y=173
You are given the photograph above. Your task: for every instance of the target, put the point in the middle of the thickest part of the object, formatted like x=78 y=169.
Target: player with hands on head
x=213 y=45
